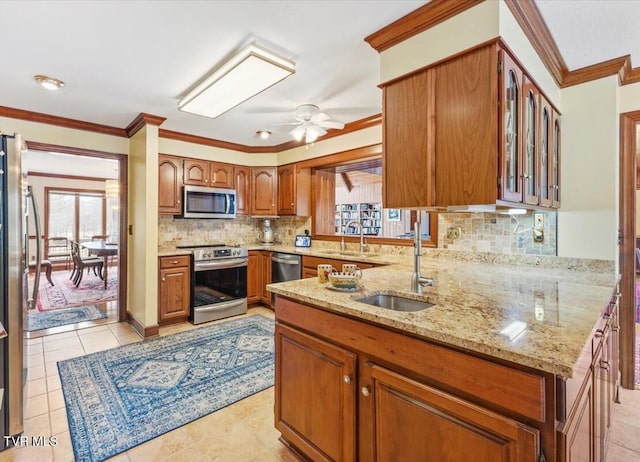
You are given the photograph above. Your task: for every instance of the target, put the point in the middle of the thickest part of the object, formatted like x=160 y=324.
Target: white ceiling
x=122 y=58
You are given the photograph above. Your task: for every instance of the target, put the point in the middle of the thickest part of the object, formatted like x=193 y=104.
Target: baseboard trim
x=144 y=331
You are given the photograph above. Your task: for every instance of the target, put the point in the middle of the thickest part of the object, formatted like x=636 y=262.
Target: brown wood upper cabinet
x=242 y=184
x=294 y=190
x=468 y=131
x=205 y=173
x=264 y=191
x=169 y=184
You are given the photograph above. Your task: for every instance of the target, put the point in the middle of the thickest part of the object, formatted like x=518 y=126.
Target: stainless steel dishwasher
x=285 y=267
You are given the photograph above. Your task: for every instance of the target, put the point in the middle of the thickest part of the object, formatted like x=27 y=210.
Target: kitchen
x=595 y=221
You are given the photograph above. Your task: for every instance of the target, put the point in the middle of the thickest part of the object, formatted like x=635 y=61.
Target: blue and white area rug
x=119 y=398
x=39 y=320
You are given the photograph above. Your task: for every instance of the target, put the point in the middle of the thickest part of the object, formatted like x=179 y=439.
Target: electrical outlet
x=538 y=221
x=453 y=232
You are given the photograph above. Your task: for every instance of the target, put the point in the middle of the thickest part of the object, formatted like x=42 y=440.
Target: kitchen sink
x=395 y=302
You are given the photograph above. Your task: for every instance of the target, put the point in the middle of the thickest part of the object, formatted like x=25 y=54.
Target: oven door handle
x=220 y=306
x=223 y=264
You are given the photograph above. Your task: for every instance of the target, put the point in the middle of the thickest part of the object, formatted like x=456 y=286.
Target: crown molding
x=141 y=120
x=417 y=21
x=203 y=140
x=360 y=124
x=49 y=119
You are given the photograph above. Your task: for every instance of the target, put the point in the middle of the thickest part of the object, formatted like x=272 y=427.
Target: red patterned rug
x=64 y=294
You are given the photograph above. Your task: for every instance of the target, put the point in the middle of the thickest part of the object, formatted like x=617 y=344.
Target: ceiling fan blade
x=331 y=124
x=320 y=117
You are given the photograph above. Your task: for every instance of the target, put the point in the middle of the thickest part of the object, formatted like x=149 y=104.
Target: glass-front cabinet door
x=555 y=161
x=511 y=127
x=530 y=148
x=546 y=139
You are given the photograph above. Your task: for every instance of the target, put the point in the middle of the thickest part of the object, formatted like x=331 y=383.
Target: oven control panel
x=219 y=253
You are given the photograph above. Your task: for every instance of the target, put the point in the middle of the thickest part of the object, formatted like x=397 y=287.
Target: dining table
x=102 y=249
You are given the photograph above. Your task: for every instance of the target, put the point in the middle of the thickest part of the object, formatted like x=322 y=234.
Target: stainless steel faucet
x=363 y=246
x=417 y=281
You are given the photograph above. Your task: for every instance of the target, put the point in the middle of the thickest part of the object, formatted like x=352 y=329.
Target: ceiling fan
x=312 y=123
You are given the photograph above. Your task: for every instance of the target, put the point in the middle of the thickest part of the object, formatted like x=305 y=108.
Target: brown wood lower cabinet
x=322 y=376
x=174 y=289
x=265 y=265
x=396 y=407
x=254 y=277
x=416 y=400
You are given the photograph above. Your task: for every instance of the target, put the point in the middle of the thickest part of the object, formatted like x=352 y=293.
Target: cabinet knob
x=163 y=279
x=599 y=333
x=365 y=391
x=292 y=204
x=604 y=365
x=178 y=202
x=174 y=262
x=346 y=379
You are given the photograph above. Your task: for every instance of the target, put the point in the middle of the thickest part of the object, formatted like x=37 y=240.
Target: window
x=74 y=214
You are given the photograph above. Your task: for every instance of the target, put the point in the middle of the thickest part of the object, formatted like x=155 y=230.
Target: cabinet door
x=221 y=175
x=408 y=420
x=511 y=128
x=466 y=127
x=546 y=148
x=265 y=266
x=196 y=172
x=242 y=185
x=315 y=396
x=408 y=137
x=169 y=184
x=286 y=190
x=254 y=279
x=576 y=440
x=530 y=148
x=555 y=161
x=264 y=189
x=174 y=297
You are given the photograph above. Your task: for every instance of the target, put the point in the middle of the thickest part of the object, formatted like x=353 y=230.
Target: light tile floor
x=241 y=432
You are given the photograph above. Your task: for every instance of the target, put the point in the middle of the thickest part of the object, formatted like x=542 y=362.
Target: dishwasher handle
x=286 y=262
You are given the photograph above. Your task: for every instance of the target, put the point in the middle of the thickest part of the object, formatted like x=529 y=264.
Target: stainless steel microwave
x=201 y=202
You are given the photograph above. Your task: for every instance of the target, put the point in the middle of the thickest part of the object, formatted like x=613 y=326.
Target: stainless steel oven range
x=219 y=282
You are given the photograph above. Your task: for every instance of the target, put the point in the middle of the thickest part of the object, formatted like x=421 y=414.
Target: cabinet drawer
x=174 y=262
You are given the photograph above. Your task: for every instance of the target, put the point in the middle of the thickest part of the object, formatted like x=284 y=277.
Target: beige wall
x=587 y=220
x=51 y=134
x=143 y=220
x=199 y=151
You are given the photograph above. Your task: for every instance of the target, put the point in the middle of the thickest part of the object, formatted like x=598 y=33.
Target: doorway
x=629 y=338
x=82 y=196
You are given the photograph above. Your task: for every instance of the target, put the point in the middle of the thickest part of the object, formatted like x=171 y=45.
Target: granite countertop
x=475 y=302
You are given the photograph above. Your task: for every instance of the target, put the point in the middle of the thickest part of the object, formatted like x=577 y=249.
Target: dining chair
x=80 y=263
x=57 y=251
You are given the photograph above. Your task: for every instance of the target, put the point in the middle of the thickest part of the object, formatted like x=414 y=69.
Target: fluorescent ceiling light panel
x=246 y=74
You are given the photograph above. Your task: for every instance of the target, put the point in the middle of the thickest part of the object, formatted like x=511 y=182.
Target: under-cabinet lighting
x=246 y=74
x=514 y=330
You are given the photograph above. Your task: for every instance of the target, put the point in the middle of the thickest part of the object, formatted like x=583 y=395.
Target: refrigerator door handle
x=31 y=302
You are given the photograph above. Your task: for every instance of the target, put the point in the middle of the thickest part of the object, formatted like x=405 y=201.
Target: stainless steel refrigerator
x=15 y=298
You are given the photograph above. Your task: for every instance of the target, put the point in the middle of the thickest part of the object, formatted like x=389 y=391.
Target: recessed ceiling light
x=49 y=82
x=263 y=134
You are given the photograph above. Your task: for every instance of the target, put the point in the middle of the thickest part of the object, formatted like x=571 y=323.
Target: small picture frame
x=393 y=214
x=303 y=241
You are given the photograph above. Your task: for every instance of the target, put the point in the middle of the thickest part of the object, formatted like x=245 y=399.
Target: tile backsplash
x=480 y=232
x=498 y=233
x=243 y=230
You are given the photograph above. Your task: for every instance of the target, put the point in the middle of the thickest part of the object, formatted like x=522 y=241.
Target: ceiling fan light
x=312 y=134
x=298 y=133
